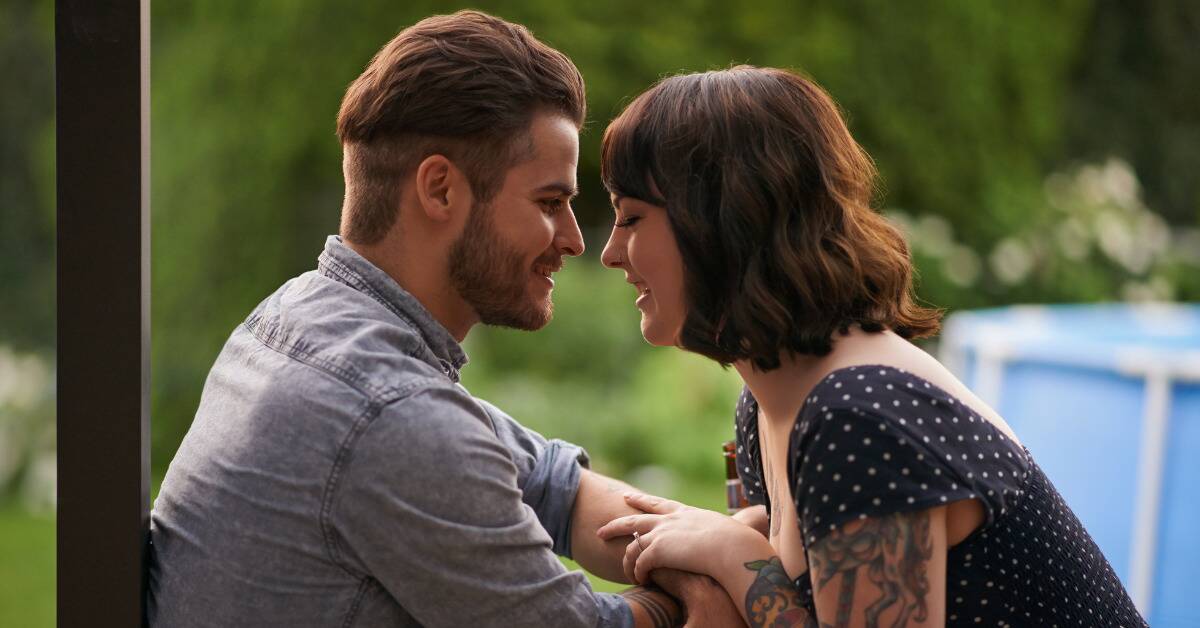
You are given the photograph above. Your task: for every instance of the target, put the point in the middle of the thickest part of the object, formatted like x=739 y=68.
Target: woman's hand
x=673 y=535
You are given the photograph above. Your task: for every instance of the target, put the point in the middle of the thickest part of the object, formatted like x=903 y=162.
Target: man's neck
x=426 y=279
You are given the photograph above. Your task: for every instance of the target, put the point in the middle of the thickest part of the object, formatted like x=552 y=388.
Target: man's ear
x=442 y=189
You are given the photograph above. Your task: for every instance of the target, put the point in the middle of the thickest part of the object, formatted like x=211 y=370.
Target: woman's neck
x=780 y=392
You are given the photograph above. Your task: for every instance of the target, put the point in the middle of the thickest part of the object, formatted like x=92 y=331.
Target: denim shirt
x=337 y=474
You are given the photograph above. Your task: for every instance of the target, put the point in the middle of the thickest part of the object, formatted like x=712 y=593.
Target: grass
x=27 y=569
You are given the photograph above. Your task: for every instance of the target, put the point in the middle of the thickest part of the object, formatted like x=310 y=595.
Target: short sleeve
x=747 y=454
x=876 y=445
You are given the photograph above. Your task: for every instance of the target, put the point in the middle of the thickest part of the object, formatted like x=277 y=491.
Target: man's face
x=509 y=247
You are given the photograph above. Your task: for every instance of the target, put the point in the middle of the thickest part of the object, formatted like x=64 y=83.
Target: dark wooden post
x=103 y=108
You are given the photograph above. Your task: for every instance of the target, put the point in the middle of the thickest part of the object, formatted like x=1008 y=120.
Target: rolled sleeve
x=548 y=474
x=428 y=505
x=614 y=611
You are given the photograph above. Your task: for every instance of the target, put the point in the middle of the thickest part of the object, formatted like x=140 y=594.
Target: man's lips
x=545 y=271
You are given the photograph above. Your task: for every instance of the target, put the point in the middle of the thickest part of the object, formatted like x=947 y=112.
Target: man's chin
x=532 y=317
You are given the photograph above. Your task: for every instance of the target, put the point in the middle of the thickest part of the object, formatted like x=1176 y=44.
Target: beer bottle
x=735 y=495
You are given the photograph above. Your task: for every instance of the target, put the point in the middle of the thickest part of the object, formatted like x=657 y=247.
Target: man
x=336 y=472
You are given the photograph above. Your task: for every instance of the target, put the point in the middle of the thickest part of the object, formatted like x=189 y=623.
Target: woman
x=895 y=495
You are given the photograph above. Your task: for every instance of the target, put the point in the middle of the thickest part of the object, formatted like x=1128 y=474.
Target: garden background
x=1032 y=153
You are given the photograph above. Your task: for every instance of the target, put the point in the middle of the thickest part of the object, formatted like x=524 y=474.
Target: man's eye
x=628 y=222
x=553 y=205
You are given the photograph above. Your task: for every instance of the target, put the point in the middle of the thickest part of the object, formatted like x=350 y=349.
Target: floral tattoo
x=894 y=551
x=772 y=599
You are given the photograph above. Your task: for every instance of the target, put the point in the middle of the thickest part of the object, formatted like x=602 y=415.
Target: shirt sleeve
x=547 y=473
x=427 y=503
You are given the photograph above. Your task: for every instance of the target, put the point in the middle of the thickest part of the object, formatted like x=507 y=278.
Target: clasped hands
x=672 y=538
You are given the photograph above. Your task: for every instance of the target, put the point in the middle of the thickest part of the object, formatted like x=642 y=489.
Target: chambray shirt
x=337 y=474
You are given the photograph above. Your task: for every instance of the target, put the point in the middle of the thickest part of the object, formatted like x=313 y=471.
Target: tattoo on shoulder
x=773 y=599
x=656 y=608
x=894 y=551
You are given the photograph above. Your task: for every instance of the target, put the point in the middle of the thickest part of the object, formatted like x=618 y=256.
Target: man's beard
x=491 y=277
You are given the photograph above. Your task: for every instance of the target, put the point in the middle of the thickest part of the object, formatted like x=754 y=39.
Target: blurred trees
x=977 y=114
x=1135 y=92
x=27 y=175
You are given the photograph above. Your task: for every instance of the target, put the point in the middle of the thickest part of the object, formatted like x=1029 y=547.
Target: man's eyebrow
x=562 y=188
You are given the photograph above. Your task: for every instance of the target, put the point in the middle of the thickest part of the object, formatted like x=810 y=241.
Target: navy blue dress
x=875 y=440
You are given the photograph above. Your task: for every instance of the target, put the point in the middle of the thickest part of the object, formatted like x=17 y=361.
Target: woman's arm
x=737 y=556
x=882 y=571
x=889 y=570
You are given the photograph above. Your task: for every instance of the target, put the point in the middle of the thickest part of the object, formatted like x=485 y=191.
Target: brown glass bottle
x=735 y=495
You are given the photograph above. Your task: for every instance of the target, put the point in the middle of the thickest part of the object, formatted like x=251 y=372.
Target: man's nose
x=569 y=240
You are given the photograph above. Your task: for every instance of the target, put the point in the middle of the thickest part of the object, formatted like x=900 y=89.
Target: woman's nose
x=611 y=255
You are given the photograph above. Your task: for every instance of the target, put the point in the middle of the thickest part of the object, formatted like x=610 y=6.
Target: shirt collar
x=340 y=263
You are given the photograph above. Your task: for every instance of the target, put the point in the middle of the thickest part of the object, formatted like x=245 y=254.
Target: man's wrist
x=653 y=608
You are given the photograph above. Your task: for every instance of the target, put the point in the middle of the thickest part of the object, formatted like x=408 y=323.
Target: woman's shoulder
x=883 y=398
x=877 y=439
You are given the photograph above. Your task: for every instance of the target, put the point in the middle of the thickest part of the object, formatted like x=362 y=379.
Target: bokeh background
x=1032 y=153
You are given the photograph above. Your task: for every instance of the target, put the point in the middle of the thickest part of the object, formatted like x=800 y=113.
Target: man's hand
x=706 y=605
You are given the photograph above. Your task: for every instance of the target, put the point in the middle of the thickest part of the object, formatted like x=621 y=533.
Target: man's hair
x=769 y=199
x=465 y=86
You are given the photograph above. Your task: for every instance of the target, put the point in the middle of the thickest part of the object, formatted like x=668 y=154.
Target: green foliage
x=960 y=104
x=590 y=378
x=1134 y=93
x=27 y=194
x=976 y=113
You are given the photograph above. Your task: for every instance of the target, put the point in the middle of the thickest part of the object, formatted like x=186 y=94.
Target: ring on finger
x=638 y=537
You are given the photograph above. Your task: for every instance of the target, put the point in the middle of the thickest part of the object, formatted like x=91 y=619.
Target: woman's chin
x=656 y=334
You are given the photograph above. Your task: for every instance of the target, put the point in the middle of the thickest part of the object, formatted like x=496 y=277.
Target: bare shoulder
x=887 y=348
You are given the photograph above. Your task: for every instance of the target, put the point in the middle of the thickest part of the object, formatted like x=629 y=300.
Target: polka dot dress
x=874 y=440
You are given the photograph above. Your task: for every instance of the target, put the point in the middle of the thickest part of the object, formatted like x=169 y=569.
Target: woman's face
x=643 y=245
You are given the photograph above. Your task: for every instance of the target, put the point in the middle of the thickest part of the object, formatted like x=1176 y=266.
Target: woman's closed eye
x=628 y=221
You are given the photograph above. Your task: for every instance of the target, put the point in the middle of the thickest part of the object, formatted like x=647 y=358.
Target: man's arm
x=428 y=505
x=600 y=499
x=652 y=608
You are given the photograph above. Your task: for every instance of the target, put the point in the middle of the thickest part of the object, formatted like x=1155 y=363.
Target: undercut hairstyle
x=465 y=86
x=769 y=199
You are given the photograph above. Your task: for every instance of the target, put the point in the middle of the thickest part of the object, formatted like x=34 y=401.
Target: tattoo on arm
x=662 y=613
x=895 y=552
x=773 y=599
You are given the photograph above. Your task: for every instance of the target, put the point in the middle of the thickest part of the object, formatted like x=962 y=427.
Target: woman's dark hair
x=769 y=198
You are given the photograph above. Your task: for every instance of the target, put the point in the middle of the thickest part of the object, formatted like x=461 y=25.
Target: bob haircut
x=769 y=199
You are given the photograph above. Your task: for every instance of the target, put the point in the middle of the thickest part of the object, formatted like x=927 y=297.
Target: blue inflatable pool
x=1107 y=397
